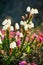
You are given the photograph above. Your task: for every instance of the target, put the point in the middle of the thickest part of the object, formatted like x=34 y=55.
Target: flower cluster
x=32 y=11
x=21 y=44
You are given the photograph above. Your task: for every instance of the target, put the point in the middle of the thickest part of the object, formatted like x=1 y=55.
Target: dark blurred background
x=17 y=8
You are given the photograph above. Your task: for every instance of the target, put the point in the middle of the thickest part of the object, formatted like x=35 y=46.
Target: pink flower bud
x=18 y=33
x=34 y=35
x=23 y=63
x=2 y=37
x=40 y=38
x=27 y=39
x=33 y=63
x=11 y=34
x=18 y=43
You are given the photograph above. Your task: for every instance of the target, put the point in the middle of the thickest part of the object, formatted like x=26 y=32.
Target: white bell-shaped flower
x=32 y=11
x=21 y=34
x=4 y=27
x=26 y=27
x=13 y=44
x=36 y=11
x=9 y=21
x=21 y=22
x=12 y=28
x=5 y=22
x=31 y=25
x=17 y=26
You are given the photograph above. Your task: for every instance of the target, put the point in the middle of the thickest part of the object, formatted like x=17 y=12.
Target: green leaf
x=28 y=49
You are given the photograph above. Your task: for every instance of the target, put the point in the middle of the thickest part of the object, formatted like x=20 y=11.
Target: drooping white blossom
x=32 y=11
x=13 y=44
x=24 y=23
x=16 y=26
x=21 y=34
x=5 y=22
x=36 y=11
x=4 y=27
x=26 y=27
x=31 y=25
x=9 y=21
x=12 y=28
x=21 y=23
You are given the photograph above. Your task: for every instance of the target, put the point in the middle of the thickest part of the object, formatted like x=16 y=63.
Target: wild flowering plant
x=21 y=44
